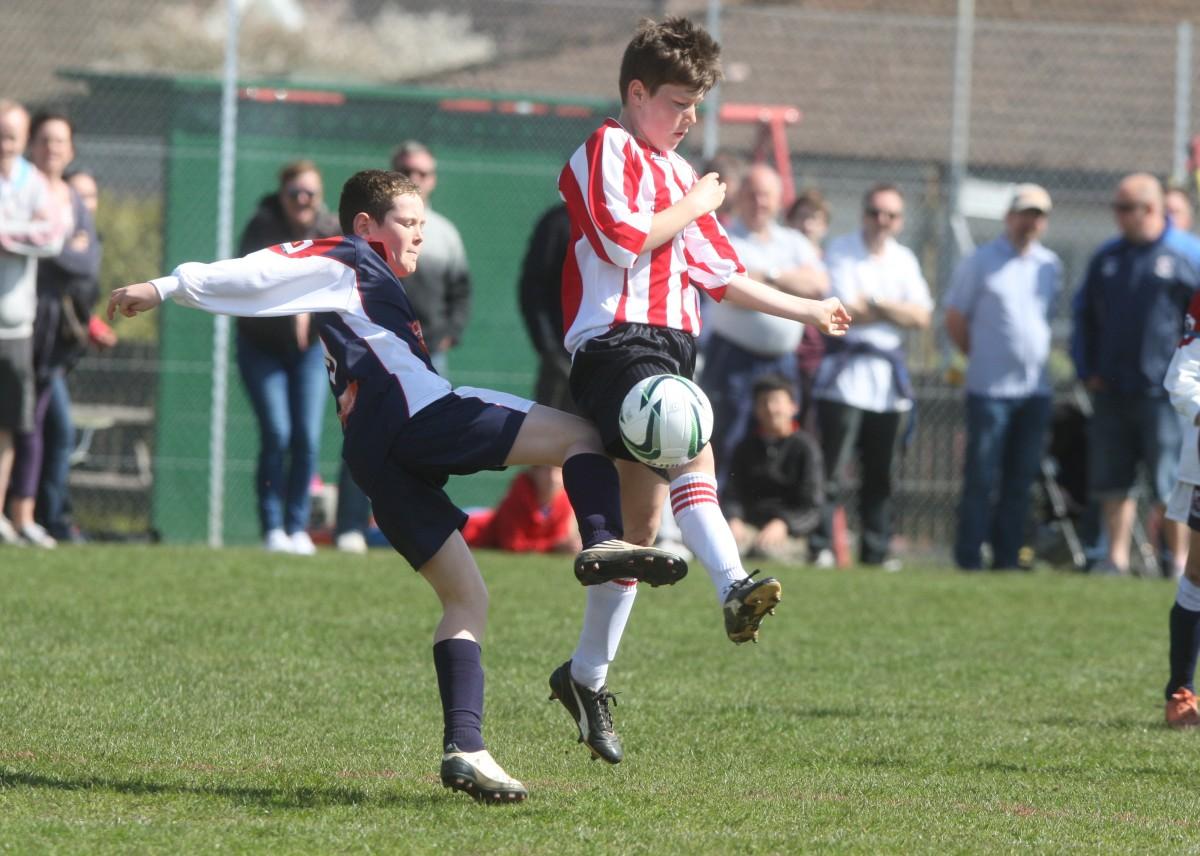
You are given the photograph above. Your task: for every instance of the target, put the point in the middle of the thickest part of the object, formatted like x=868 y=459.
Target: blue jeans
x=1005 y=443
x=288 y=395
x=58 y=437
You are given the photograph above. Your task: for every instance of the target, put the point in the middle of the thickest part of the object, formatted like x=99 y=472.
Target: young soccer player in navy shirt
x=406 y=430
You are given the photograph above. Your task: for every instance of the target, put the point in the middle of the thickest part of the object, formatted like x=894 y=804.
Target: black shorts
x=607 y=367
x=464 y=432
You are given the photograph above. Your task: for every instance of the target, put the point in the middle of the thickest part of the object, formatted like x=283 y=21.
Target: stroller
x=1071 y=531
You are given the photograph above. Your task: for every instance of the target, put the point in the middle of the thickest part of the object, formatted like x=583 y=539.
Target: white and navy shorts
x=1184 y=505
x=461 y=433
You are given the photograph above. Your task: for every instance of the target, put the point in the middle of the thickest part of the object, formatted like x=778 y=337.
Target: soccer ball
x=666 y=420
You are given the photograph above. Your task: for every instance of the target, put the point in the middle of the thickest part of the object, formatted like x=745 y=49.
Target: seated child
x=776 y=482
x=535 y=516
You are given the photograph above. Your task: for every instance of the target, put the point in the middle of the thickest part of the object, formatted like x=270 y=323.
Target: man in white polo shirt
x=998 y=311
x=862 y=387
x=745 y=345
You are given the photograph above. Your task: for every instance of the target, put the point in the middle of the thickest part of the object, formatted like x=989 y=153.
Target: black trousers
x=845 y=432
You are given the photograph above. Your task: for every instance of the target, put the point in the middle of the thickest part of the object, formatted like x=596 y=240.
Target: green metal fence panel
x=498 y=160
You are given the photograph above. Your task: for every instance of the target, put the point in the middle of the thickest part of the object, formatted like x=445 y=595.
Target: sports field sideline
x=186 y=700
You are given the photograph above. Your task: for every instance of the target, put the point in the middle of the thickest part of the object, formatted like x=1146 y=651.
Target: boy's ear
x=362 y=224
x=637 y=92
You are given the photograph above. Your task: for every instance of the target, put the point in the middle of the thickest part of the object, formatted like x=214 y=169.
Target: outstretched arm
x=132 y=300
x=288 y=280
x=828 y=315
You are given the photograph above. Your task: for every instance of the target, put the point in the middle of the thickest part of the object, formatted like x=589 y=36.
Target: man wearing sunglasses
x=862 y=387
x=1129 y=314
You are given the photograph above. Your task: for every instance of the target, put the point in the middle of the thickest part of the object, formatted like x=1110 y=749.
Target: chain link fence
x=952 y=101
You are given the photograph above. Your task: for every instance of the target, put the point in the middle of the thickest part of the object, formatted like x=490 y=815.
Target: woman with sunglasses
x=283 y=367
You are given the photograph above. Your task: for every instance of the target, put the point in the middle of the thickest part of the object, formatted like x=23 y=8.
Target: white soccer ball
x=666 y=420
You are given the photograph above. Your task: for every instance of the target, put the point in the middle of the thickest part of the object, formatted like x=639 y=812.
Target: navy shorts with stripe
x=607 y=367
x=459 y=434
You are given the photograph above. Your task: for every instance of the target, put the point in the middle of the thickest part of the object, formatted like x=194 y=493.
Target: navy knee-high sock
x=1185 y=646
x=460 y=682
x=595 y=492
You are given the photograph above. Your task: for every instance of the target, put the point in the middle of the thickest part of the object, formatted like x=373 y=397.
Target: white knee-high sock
x=705 y=530
x=604 y=620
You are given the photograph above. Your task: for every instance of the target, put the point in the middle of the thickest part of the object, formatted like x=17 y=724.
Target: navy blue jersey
x=379 y=367
x=1129 y=312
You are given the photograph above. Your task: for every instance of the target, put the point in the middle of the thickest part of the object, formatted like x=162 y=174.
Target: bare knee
x=642 y=533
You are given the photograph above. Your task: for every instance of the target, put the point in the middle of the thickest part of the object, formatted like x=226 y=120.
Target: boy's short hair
x=675 y=51
x=810 y=200
x=772 y=383
x=372 y=191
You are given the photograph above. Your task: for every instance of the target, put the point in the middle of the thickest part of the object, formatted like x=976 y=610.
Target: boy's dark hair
x=810 y=200
x=676 y=52
x=42 y=117
x=372 y=191
x=773 y=383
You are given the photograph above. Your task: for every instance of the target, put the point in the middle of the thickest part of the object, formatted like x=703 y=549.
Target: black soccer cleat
x=589 y=709
x=620 y=560
x=479 y=776
x=747 y=603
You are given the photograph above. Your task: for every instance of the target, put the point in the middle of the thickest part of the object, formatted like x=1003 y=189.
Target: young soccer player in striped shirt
x=405 y=430
x=643 y=240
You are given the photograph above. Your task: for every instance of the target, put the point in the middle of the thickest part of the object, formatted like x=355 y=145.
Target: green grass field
x=183 y=700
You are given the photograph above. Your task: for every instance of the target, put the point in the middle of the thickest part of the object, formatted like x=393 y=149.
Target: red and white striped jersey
x=613 y=185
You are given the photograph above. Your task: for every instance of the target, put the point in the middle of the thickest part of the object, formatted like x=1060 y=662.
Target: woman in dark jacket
x=282 y=365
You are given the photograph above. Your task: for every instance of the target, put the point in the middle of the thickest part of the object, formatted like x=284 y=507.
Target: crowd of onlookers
x=800 y=421
x=49 y=283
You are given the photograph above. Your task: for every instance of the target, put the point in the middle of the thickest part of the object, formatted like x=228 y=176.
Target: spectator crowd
x=802 y=424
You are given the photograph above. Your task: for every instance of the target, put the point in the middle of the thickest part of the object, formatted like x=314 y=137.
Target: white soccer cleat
x=617 y=560
x=479 y=776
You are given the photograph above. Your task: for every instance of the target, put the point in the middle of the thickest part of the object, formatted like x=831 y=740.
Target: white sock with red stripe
x=604 y=620
x=705 y=530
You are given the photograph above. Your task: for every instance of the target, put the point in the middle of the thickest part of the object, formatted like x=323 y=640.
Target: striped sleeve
x=602 y=186
x=711 y=258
